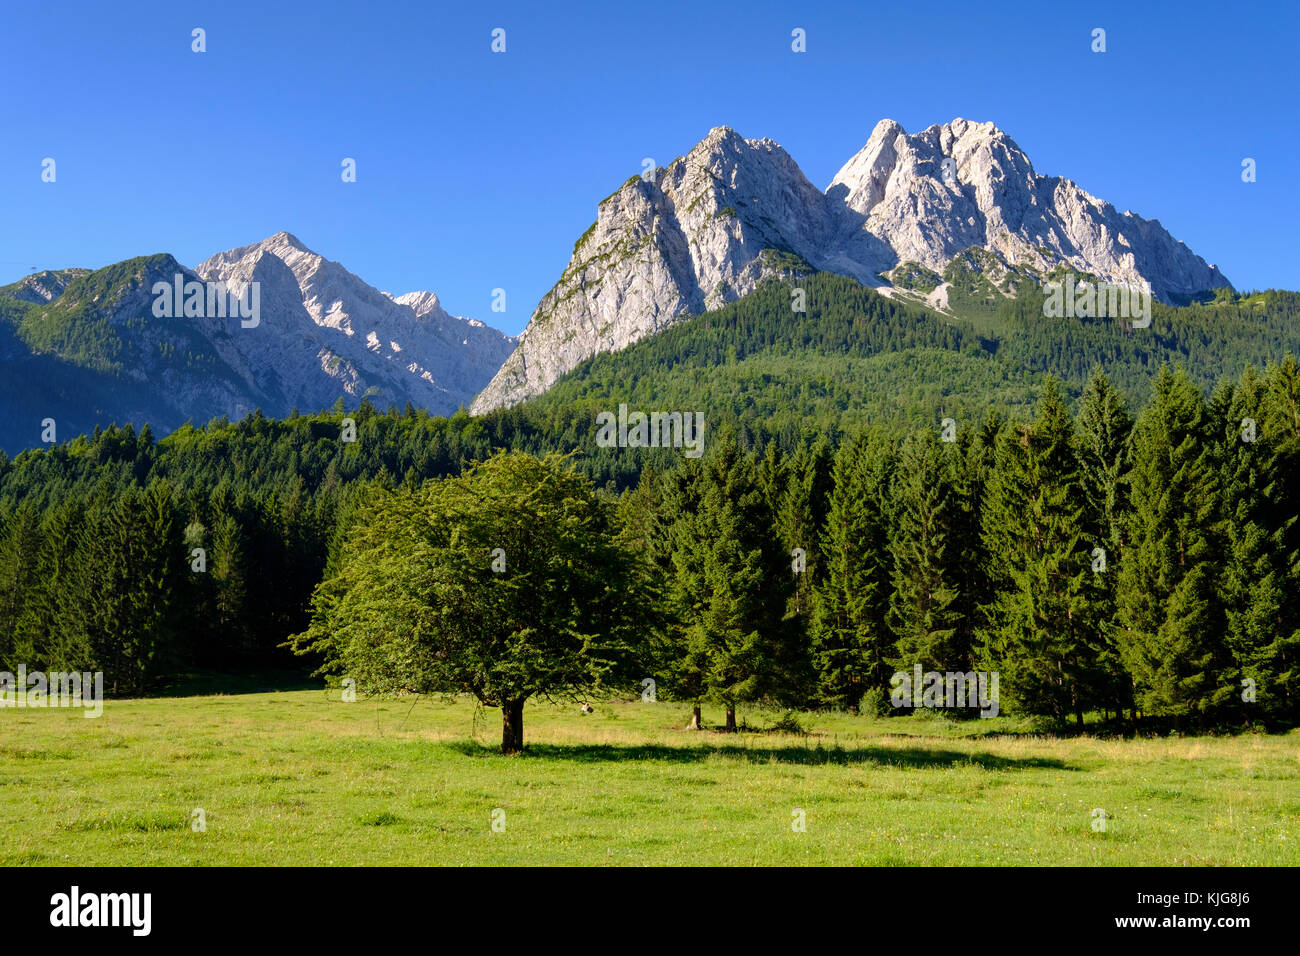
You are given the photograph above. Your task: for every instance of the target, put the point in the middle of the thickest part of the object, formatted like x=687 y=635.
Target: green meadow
x=299 y=777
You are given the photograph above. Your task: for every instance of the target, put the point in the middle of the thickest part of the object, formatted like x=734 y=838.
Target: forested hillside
x=855 y=356
x=971 y=543
x=976 y=552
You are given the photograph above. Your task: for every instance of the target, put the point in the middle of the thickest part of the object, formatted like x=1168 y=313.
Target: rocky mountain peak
x=365 y=342
x=708 y=227
x=421 y=303
x=44 y=286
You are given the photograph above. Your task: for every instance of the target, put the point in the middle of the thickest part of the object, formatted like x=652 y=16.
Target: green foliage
x=851 y=643
x=925 y=611
x=729 y=599
x=786 y=263
x=506 y=583
x=1171 y=619
x=914 y=276
x=951 y=555
x=1043 y=631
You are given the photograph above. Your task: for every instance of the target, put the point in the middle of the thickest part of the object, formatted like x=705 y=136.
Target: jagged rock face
x=695 y=234
x=91 y=348
x=685 y=238
x=897 y=189
x=44 y=286
x=357 y=341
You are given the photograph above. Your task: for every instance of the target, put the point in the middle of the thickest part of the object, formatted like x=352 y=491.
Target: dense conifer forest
x=882 y=487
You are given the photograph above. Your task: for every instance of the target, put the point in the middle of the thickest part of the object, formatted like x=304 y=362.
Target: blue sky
x=478 y=170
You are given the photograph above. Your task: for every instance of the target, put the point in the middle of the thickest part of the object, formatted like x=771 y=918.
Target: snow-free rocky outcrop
x=42 y=287
x=324 y=333
x=705 y=229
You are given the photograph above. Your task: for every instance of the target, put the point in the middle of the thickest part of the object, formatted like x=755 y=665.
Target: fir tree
x=731 y=582
x=1171 y=622
x=1257 y=461
x=851 y=642
x=19 y=549
x=1103 y=433
x=925 y=610
x=1042 y=633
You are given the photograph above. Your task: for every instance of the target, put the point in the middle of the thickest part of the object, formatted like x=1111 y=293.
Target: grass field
x=300 y=777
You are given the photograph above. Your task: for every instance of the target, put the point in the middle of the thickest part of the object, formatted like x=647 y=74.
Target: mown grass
x=300 y=777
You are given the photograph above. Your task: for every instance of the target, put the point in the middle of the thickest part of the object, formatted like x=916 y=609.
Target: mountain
x=86 y=348
x=856 y=358
x=93 y=354
x=924 y=211
x=42 y=287
x=326 y=333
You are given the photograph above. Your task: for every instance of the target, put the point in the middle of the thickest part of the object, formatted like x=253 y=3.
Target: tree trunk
x=512 y=726
x=695 y=719
x=731 y=719
x=1078 y=716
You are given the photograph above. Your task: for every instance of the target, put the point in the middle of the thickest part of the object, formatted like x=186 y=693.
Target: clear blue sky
x=478 y=170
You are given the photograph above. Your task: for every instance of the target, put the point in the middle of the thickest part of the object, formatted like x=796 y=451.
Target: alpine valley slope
x=706 y=229
x=85 y=348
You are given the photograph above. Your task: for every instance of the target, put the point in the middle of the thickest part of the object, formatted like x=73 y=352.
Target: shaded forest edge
x=978 y=553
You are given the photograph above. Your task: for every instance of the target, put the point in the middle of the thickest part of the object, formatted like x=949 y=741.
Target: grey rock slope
x=705 y=229
x=42 y=287
x=87 y=348
x=324 y=333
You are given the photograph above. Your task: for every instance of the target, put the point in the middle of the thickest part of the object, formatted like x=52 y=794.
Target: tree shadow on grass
x=916 y=757
x=219 y=683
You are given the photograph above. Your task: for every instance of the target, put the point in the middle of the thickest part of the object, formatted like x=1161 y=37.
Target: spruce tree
x=20 y=542
x=1042 y=632
x=1257 y=454
x=678 y=549
x=42 y=628
x=800 y=502
x=731 y=582
x=851 y=641
x=1171 y=621
x=1103 y=432
x=925 y=611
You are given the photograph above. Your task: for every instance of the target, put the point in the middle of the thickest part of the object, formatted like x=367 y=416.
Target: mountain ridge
x=322 y=334
x=704 y=230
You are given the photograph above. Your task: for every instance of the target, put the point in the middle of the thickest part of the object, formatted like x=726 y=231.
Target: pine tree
x=42 y=628
x=801 y=501
x=1171 y=621
x=973 y=464
x=1103 y=433
x=925 y=611
x=1042 y=634
x=730 y=582
x=227 y=572
x=677 y=546
x=20 y=542
x=851 y=641
x=1257 y=452
x=1102 y=437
